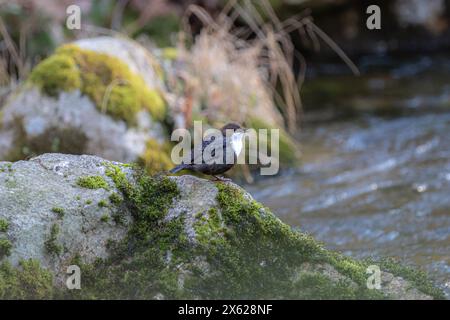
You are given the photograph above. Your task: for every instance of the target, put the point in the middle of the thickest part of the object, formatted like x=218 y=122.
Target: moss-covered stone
x=184 y=237
x=128 y=273
x=106 y=80
x=267 y=254
x=55 y=74
x=239 y=249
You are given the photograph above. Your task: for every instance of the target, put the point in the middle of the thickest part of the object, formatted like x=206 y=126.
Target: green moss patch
x=93 y=182
x=136 y=268
x=55 y=74
x=59 y=211
x=5 y=248
x=28 y=281
x=4 y=225
x=103 y=204
x=106 y=80
x=115 y=198
x=258 y=256
x=51 y=244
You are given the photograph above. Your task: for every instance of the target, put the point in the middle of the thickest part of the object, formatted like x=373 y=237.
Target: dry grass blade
x=4 y=75
x=335 y=47
x=266 y=42
x=12 y=49
x=269 y=40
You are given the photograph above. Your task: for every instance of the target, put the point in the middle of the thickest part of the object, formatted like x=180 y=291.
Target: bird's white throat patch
x=236 y=142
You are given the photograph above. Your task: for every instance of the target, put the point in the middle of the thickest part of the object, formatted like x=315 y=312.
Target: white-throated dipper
x=233 y=141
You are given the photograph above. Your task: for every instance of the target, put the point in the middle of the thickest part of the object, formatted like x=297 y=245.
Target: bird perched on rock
x=233 y=141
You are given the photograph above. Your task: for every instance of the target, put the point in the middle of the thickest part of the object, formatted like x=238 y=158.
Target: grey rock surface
x=31 y=118
x=30 y=190
x=138 y=59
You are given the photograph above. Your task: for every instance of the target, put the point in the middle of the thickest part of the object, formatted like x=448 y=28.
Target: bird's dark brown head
x=230 y=126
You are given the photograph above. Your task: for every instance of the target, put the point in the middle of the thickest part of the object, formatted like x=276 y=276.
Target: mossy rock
x=57 y=73
x=105 y=79
x=99 y=96
x=167 y=237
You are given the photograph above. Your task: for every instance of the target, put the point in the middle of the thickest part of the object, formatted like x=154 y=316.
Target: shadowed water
x=374 y=186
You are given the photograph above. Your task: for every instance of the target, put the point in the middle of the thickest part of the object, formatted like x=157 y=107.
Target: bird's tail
x=178 y=168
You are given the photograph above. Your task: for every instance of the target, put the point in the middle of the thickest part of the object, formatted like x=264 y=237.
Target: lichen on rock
x=168 y=237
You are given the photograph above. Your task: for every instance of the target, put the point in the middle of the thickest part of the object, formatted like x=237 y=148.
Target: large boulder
x=138 y=236
x=99 y=96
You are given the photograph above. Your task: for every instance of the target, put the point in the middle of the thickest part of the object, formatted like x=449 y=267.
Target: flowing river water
x=376 y=182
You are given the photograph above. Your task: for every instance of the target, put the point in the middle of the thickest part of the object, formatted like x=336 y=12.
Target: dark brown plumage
x=213 y=169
